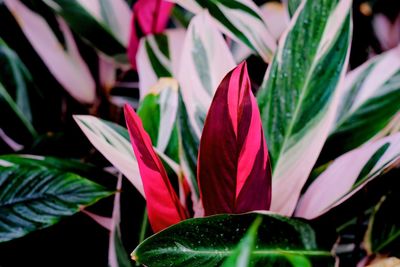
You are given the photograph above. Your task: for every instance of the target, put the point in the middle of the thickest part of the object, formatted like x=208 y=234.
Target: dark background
x=77 y=240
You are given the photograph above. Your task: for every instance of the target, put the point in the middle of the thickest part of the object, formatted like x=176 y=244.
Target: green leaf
x=383 y=233
x=35 y=198
x=292 y=6
x=239 y=19
x=91 y=20
x=188 y=149
x=297 y=99
x=15 y=80
x=28 y=161
x=158 y=111
x=370 y=102
x=209 y=241
x=241 y=256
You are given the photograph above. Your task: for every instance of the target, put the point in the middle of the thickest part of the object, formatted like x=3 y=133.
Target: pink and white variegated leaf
x=163 y=205
x=300 y=94
x=241 y=20
x=112 y=141
x=234 y=172
x=205 y=60
x=348 y=174
x=148 y=17
x=158 y=57
x=65 y=63
x=117 y=256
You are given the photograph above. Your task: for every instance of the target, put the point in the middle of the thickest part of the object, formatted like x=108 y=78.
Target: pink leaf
x=163 y=204
x=233 y=169
x=150 y=17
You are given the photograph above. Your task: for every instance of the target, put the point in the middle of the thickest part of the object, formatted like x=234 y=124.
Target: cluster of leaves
x=311 y=137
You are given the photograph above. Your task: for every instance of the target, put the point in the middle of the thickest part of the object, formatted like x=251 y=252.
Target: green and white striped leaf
x=348 y=174
x=158 y=56
x=112 y=141
x=158 y=111
x=209 y=241
x=63 y=61
x=239 y=19
x=35 y=198
x=189 y=143
x=383 y=233
x=105 y=24
x=299 y=96
x=370 y=102
x=205 y=60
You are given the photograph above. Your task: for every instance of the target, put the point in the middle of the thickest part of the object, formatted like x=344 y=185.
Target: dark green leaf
x=34 y=198
x=383 y=234
x=292 y=6
x=88 y=27
x=241 y=256
x=15 y=80
x=209 y=241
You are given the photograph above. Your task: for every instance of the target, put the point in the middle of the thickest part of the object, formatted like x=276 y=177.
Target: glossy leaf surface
x=299 y=96
x=35 y=198
x=209 y=241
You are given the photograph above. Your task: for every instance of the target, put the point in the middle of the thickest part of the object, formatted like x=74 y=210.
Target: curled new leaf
x=163 y=205
x=233 y=170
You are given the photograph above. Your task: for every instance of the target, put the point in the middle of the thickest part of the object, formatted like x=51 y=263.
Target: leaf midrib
x=259 y=252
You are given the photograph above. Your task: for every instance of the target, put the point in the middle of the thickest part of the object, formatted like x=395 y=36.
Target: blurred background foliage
x=78 y=241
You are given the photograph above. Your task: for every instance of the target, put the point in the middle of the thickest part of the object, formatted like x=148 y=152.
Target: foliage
x=224 y=154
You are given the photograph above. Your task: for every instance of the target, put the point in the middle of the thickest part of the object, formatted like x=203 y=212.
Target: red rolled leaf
x=148 y=17
x=163 y=206
x=234 y=172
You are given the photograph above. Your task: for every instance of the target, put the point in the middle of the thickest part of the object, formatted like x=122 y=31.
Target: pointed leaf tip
x=164 y=208
x=233 y=169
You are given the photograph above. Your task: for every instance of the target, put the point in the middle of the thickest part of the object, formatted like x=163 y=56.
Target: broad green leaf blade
x=383 y=233
x=239 y=19
x=241 y=256
x=348 y=174
x=112 y=141
x=205 y=60
x=105 y=24
x=15 y=80
x=158 y=111
x=35 y=198
x=299 y=96
x=371 y=100
x=158 y=56
x=209 y=241
x=65 y=63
